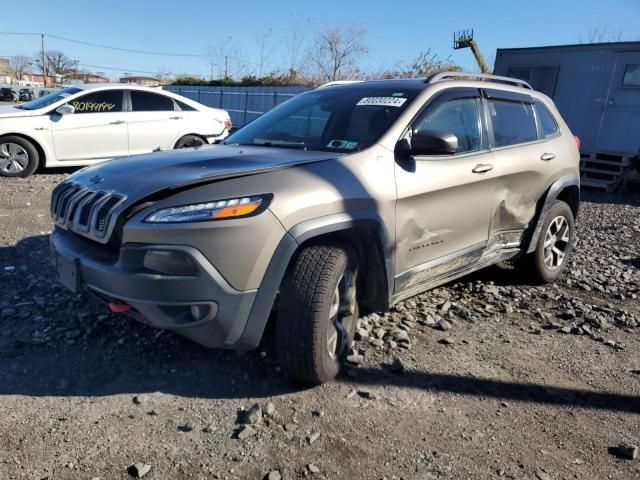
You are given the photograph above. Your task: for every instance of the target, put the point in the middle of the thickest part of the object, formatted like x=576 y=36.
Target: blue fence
x=243 y=103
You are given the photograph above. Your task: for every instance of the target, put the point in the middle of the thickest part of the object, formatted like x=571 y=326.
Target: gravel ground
x=487 y=378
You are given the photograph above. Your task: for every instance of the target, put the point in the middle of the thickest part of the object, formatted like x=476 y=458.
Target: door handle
x=482 y=168
x=175 y=118
x=117 y=122
x=547 y=156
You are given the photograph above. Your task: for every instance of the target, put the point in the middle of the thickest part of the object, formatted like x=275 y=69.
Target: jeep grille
x=88 y=212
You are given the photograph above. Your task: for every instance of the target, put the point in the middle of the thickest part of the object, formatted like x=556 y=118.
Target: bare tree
x=294 y=45
x=224 y=59
x=164 y=74
x=265 y=49
x=337 y=52
x=58 y=63
x=19 y=65
x=424 y=65
x=601 y=34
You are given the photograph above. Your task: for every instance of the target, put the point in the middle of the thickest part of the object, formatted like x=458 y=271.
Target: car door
x=524 y=160
x=443 y=202
x=154 y=122
x=95 y=131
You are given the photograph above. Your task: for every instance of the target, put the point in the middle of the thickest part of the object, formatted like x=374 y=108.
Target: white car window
x=105 y=101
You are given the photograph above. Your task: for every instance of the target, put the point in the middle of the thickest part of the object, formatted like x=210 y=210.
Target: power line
x=109 y=47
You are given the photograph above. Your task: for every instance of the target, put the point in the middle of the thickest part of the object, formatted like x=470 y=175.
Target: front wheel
x=554 y=245
x=18 y=157
x=317 y=313
x=190 y=141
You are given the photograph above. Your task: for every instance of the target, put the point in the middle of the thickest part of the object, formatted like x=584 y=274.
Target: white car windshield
x=47 y=100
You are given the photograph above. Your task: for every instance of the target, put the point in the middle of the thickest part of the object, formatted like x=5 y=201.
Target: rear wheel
x=551 y=255
x=18 y=157
x=190 y=141
x=317 y=313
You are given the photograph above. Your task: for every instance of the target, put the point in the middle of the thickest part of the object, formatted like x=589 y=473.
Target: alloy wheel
x=556 y=242
x=13 y=158
x=341 y=315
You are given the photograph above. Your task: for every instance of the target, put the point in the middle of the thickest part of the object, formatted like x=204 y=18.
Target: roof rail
x=438 y=77
x=338 y=82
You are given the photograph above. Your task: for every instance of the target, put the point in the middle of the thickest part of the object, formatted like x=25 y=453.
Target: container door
x=621 y=113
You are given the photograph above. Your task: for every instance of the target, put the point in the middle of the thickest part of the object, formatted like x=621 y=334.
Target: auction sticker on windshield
x=382 y=101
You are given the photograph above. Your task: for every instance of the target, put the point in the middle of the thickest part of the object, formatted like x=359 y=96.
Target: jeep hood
x=139 y=176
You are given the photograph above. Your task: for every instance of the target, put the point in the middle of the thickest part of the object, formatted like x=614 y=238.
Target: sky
x=396 y=31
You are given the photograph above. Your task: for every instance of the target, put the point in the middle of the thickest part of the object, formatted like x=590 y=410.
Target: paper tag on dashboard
x=382 y=101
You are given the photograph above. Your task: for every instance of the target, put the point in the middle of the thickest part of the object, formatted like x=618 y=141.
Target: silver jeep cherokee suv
x=350 y=197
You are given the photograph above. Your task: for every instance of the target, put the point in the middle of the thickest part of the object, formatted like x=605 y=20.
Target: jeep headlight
x=218 y=210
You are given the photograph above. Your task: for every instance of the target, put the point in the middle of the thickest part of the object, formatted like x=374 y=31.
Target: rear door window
x=513 y=122
x=548 y=125
x=150 y=102
x=106 y=101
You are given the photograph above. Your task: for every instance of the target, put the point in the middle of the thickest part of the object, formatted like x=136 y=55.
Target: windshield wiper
x=296 y=146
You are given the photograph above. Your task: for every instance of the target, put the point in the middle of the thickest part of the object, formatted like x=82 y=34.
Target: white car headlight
x=219 y=210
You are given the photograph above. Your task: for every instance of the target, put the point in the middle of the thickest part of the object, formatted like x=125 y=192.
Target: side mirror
x=65 y=109
x=432 y=142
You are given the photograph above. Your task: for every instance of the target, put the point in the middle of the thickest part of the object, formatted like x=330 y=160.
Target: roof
x=95 y=86
x=581 y=46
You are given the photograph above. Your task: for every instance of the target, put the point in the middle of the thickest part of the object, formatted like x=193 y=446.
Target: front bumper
x=202 y=307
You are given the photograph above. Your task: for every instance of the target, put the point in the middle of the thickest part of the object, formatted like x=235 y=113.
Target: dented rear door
x=523 y=159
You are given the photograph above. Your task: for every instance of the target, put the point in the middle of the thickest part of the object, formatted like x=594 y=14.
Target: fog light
x=169 y=262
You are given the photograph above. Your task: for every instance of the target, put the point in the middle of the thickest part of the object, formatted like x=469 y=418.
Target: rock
x=273 y=475
x=253 y=416
x=187 y=427
x=138 y=470
x=445 y=307
x=369 y=395
x=565 y=330
x=444 y=325
x=379 y=332
x=313 y=437
x=397 y=366
x=361 y=334
x=209 y=428
x=540 y=475
x=290 y=427
x=447 y=341
x=355 y=359
x=270 y=409
x=8 y=312
x=313 y=468
x=610 y=343
x=628 y=451
x=401 y=335
x=377 y=342
x=246 y=432
x=140 y=399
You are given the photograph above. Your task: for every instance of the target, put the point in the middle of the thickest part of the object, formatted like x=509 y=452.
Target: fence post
x=221 y=95
x=246 y=101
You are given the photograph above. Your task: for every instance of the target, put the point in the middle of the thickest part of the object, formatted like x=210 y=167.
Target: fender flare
x=284 y=252
x=551 y=196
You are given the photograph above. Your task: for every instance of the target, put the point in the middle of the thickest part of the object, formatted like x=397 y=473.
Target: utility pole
x=464 y=39
x=44 y=64
x=226 y=66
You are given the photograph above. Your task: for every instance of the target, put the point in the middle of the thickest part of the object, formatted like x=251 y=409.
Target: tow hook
x=119 y=307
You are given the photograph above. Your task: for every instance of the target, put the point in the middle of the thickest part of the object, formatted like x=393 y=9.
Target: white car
x=82 y=125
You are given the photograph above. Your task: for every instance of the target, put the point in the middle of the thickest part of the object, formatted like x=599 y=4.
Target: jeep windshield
x=337 y=119
x=49 y=99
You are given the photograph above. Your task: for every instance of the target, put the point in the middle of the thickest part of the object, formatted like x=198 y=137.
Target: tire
x=305 y=329
x=18 y=157
x=189 y=141
x=545 y=265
